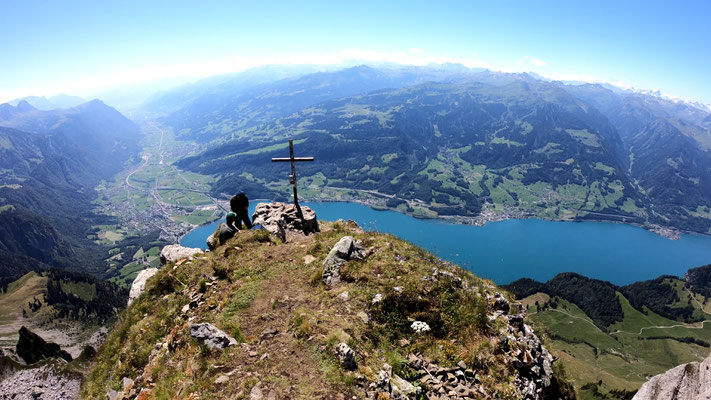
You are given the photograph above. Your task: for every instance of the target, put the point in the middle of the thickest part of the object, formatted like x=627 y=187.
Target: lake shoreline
x=484 y=218
x=530 y=247
x=666 y=232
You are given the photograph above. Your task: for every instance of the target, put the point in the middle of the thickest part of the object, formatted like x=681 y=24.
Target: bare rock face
x=690 y=381
x=346 y=249
x=175 y=252
x=278 y=218
x=139 y=284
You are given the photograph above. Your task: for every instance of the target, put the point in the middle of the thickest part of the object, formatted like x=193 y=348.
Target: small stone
x=268 y=333
x=253 y=353
x=256 y=393
x=398 y=289
x=343 y=296
x=127 y=383
x=363 y=316
x=377 y=298
x=211 y=336
x=222 y=379
x=308 y=259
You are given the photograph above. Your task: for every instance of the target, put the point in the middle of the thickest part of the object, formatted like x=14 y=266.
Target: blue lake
x=508 y=250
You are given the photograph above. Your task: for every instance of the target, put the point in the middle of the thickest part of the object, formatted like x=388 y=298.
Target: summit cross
x=292 y=177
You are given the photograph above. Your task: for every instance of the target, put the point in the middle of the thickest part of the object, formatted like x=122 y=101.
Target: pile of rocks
x=438 y=274
x=524 y=350
x=521 y=349
x=457 y=382
x=50 y=381
x=280 y=218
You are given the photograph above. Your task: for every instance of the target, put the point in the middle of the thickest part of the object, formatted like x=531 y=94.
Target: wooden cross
x=292 y=177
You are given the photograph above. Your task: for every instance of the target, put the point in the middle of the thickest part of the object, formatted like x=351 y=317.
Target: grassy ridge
x=261 y=284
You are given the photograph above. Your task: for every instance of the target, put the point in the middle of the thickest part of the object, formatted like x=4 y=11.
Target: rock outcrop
x=32 y=348
x=139 y=284
x=175 y=252
x=280 y=218
x=690 y=381
x=346 y=249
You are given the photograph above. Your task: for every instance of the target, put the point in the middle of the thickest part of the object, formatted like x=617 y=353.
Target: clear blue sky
x=83 y=46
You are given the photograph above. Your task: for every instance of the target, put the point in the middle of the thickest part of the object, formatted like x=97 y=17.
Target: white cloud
x=415 y=50
x=536 y=62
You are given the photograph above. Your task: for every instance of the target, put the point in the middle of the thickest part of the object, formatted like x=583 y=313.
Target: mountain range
x=50 y=103
x=454 y=141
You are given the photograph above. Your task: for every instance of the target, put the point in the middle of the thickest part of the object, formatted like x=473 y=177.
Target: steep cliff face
x=690 y=381
x=257 y=318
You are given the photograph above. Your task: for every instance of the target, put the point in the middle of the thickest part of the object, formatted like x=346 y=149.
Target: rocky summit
x=260 y=318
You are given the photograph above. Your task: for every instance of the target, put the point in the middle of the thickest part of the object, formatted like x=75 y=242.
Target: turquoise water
x=508 y=250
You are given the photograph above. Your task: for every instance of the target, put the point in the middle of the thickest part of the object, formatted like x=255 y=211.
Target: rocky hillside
x=334 y=314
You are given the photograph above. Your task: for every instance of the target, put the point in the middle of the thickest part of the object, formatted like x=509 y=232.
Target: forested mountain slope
x=611 y=339
x=48 y=171
x=454 y=143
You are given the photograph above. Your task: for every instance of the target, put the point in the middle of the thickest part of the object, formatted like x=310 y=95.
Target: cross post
x=292 y=177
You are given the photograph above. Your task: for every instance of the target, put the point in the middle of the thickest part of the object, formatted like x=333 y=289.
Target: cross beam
x=293 y=160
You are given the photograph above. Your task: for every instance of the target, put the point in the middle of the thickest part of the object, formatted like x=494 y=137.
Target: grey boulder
x=690 y=381
x=211 y=336
x=175 y=252
x=346 y=249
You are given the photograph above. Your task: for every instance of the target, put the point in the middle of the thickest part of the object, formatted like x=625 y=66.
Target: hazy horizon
x=84 y=48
